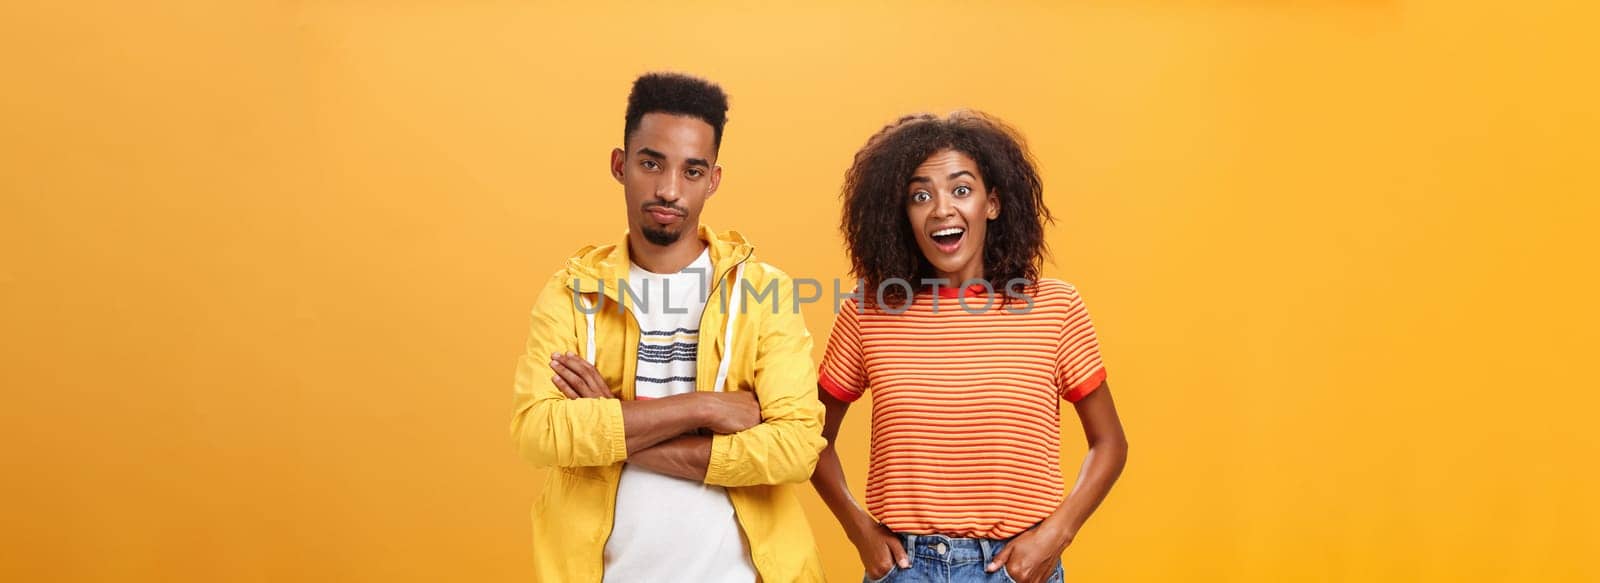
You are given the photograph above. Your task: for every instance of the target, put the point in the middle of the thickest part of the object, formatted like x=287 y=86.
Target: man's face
x=667 y=172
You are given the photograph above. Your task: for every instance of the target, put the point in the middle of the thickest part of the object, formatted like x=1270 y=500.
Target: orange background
x=266 y=266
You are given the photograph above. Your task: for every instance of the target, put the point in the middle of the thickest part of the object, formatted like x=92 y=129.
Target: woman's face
x=949 y=209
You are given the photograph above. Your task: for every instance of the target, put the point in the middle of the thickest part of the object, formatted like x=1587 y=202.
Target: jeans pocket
x=866 y=578
x=1056 y=576
x=1005 y=575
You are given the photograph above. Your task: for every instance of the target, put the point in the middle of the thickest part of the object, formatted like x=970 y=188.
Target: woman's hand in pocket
x=880 y=549
x=1029 y=558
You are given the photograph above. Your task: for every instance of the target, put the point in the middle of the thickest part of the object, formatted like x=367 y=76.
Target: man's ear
x=716 y=180
x=618 y=157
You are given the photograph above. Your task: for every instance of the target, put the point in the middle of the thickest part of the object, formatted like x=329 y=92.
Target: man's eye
x=963 y=191
x=694 y=173
x=649 y=164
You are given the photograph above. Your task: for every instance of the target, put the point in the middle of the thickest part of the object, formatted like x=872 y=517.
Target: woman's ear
x=993 y=209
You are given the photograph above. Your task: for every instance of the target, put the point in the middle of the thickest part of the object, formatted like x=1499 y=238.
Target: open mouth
x=948 y=239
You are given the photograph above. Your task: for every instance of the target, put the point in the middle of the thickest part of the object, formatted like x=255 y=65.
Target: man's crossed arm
x=661 y=432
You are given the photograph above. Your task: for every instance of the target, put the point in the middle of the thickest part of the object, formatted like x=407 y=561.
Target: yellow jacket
x=583 y=439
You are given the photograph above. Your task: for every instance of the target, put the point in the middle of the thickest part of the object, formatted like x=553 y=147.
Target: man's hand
x=730 y=412
x=1030 y=557
x=578 y=379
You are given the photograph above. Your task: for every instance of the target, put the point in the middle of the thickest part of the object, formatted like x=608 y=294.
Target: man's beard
x=661 y=236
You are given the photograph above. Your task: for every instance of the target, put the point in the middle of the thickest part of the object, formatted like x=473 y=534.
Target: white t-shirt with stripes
x=668 y=528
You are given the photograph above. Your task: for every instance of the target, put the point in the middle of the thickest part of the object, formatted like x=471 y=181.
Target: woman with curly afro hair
x=968 y=354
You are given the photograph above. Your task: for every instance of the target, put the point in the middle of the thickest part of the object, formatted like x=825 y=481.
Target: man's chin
x=660 y=236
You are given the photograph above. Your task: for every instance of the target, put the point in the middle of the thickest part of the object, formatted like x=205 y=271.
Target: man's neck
x=665 y=259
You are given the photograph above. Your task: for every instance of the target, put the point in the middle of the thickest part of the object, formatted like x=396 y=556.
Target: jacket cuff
x=717 y=468
x=616 y=434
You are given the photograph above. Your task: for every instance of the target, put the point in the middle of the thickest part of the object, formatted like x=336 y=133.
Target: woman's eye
x=963 y=191
x=921 y=196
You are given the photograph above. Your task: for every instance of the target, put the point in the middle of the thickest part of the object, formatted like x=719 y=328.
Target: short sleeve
x=843 y=373
x=1078 y=367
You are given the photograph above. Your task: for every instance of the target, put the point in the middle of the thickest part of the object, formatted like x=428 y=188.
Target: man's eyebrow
x=700 y=162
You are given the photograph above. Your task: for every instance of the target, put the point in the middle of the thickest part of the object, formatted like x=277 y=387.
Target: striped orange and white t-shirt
x=966 y=407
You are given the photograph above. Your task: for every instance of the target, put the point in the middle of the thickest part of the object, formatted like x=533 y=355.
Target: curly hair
x=677 y=94
x=882 y=244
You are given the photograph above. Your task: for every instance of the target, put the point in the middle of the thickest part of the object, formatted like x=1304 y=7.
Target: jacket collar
x=609 y=263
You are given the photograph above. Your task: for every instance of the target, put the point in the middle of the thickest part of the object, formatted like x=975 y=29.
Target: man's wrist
x=700 y=410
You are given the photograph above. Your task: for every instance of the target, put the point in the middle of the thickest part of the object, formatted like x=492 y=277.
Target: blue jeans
x=941 y=559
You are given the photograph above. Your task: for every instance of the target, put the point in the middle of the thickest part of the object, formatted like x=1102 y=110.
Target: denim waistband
x=938 y=547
